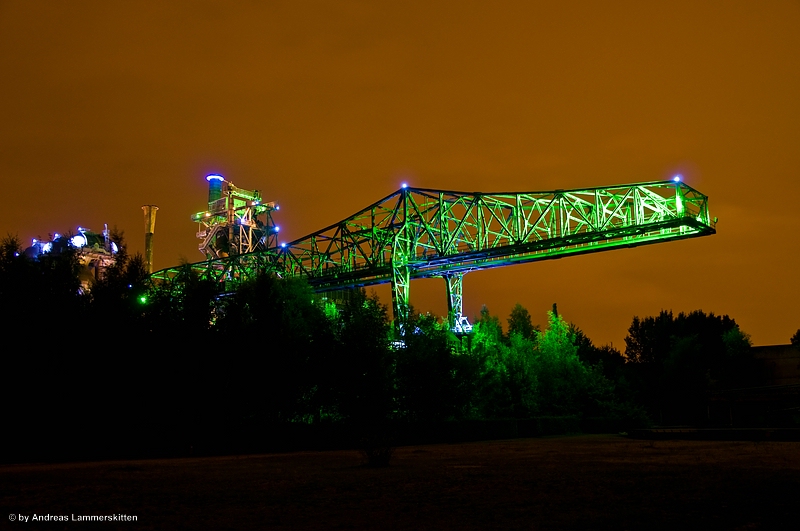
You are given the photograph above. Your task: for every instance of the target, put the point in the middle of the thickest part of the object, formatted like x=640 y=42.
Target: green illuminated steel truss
x=418 y=233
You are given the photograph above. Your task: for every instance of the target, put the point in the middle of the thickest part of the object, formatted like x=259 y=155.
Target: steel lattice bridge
x=419 y=233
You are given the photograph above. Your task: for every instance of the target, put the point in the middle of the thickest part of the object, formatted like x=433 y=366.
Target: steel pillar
x=455 y=304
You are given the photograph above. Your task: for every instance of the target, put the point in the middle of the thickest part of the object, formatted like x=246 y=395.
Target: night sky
x=328 y=106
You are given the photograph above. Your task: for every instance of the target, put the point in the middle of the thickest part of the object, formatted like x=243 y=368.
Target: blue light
x=404 y=185
x=283 y=245
x=677 y=178
x=277 y=228
x=78 y=241
x=277 y=207
x=214 y=177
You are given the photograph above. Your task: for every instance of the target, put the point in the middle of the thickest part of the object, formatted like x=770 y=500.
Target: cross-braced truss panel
x=416 y=233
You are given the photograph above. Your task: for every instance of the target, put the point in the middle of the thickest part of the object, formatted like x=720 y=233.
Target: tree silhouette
x=363 y=368
x=681 y=358
x=430 y=379
x=519 y=322
x=44 y=314
x=118 y=296
x=274 y=338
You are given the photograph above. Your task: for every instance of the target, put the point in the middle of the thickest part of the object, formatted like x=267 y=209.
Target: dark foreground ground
x=580 y=482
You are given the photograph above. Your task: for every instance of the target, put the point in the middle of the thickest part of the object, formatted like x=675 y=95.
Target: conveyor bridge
x=418 y=233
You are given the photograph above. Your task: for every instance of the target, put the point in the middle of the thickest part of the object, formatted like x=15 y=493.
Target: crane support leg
x=400 y=281
x=459 y=324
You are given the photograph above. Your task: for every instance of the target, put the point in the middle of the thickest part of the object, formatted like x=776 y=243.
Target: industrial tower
x=236 y=221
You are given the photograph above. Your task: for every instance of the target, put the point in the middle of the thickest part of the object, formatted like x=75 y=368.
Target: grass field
x=578 y=482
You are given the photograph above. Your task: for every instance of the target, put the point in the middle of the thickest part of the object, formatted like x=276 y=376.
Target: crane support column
x=401 y=278
x=400 y=282
x=459 y=323
x=402 y=250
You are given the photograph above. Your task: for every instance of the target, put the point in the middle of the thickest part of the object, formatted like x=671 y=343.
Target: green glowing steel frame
x=418 y=233
x=238 y=218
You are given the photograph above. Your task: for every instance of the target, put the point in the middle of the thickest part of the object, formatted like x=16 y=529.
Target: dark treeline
x=126 y=363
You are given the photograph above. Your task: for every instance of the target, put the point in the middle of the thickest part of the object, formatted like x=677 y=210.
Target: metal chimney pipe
x=214 y=187
x=149 y=229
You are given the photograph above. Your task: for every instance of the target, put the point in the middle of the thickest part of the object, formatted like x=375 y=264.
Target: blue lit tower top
x=214 y=187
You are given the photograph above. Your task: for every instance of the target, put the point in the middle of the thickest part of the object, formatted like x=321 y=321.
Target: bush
x=377 y=448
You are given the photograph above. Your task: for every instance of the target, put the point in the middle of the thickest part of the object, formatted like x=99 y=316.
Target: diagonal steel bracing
x=417 y=233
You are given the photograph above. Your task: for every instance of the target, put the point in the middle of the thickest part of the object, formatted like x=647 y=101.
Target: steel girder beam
x=418 y=233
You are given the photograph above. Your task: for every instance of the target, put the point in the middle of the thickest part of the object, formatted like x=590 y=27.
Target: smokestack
x=149 y=229
x=214 y=187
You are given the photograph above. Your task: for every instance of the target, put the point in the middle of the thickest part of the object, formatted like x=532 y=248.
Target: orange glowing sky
x=328 y=106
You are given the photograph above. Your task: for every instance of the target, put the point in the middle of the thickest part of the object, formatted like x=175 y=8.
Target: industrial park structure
x=96 y=252
x=419 y=233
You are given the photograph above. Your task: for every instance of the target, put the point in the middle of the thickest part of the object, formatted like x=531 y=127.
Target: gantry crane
x=419 y=233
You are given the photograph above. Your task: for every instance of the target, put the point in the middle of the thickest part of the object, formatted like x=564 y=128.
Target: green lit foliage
x=489 y=349
x=196 y=360
x=488 y=332
x=539 y=375
x=561 y=376
x=507 y=384
x=520 y=376
x=330 y=310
